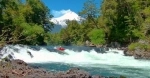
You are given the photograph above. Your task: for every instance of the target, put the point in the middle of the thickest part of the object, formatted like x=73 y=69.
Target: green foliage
x=124 y=21
x=24 y=22
x=90 y=12
x=72 y=33
x=89 y=9
x=97 y=36
x=138 y=33
x=137 y=45
x=76 y=33
x=53 y=39
x=30 y=29
x=132 y=46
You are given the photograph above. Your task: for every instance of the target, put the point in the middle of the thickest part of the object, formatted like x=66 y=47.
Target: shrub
x=97 y=36
x=132 y=46
x=141 y=46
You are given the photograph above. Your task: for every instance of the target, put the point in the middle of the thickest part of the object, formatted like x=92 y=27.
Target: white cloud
x=59 y=13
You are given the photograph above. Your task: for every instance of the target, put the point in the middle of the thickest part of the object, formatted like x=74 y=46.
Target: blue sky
x=58 y=5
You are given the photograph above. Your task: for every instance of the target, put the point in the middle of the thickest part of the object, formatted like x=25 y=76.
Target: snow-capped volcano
x=66 y=15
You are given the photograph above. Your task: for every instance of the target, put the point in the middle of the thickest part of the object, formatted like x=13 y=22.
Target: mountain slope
x=68 y=15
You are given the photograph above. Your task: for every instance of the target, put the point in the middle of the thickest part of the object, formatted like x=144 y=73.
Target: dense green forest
x=24 y=22
x=123 y=21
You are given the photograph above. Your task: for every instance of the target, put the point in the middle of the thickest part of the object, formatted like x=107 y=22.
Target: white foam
x=112 y=57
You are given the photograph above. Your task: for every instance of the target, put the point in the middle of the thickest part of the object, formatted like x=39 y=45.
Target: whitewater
x=113 y=59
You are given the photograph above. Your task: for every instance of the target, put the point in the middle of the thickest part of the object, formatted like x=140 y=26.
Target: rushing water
x=96 y=61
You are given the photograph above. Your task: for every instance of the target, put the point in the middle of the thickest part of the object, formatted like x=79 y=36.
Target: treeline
x=24 y=22
x=123 y=21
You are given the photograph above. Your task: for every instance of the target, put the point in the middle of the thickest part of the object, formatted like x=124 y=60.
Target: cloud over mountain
x=60 y=17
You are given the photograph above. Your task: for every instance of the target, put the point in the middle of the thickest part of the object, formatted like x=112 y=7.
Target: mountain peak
x=66 y=15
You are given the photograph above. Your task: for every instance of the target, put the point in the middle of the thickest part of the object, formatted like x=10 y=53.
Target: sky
x=58 y=6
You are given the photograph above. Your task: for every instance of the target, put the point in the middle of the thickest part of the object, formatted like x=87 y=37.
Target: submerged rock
x=30 y=54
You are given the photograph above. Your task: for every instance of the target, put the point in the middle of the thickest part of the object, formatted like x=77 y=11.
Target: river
x=96 y=61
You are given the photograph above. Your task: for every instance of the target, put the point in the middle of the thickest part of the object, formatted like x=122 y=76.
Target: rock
x=138 y=54
x=74 y=73
x=99 y=46
x=114 y=45
x=20 y=69
x=31 y=55
x=142 y=55
x=10 y=56
x=89 y=44
x=6 y=59
x=128 y=53
x=92 y=45
x=19 y=62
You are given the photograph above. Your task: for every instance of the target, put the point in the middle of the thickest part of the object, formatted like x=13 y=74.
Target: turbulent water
x=96 y=61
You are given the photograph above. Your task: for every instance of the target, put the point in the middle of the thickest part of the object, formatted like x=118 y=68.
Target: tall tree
x=41 y=15
x=122 y=18
x=23 y=22
x=90 y=12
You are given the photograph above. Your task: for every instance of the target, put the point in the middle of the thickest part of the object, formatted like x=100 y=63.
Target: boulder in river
x=20 y=69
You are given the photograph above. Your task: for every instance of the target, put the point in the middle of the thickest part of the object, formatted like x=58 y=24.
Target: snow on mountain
x=66 y=15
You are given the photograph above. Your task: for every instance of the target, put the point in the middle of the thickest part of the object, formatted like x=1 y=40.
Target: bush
x=132 y=46
x=141 y=46
x=97 y=36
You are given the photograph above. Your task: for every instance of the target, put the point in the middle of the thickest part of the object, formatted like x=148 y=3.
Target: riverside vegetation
x=126 y=22
x=24 y=22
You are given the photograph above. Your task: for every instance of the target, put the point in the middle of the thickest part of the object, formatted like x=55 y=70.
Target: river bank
x=19 y=69
x=139 y=51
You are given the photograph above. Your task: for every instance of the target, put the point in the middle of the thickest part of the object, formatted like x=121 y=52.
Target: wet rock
x=114 y=45
x=142 y=55
x=31 y=55
x=10 y=56
x=138 y=54
x=20 y=69
x=89 y=44
x=19 y=62
x=73 y=73
x=128 y=53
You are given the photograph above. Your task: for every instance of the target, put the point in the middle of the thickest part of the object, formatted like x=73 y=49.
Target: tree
x=97 y=36
x=122 y=19
x=71 y=34
x=41 y=14
x=90 y=12
x=23 y=22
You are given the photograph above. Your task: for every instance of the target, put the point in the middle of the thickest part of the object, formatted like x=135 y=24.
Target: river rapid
x=96 y=61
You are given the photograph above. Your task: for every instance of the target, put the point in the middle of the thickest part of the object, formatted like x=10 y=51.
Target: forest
x=123 y=21
x=24 y=22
